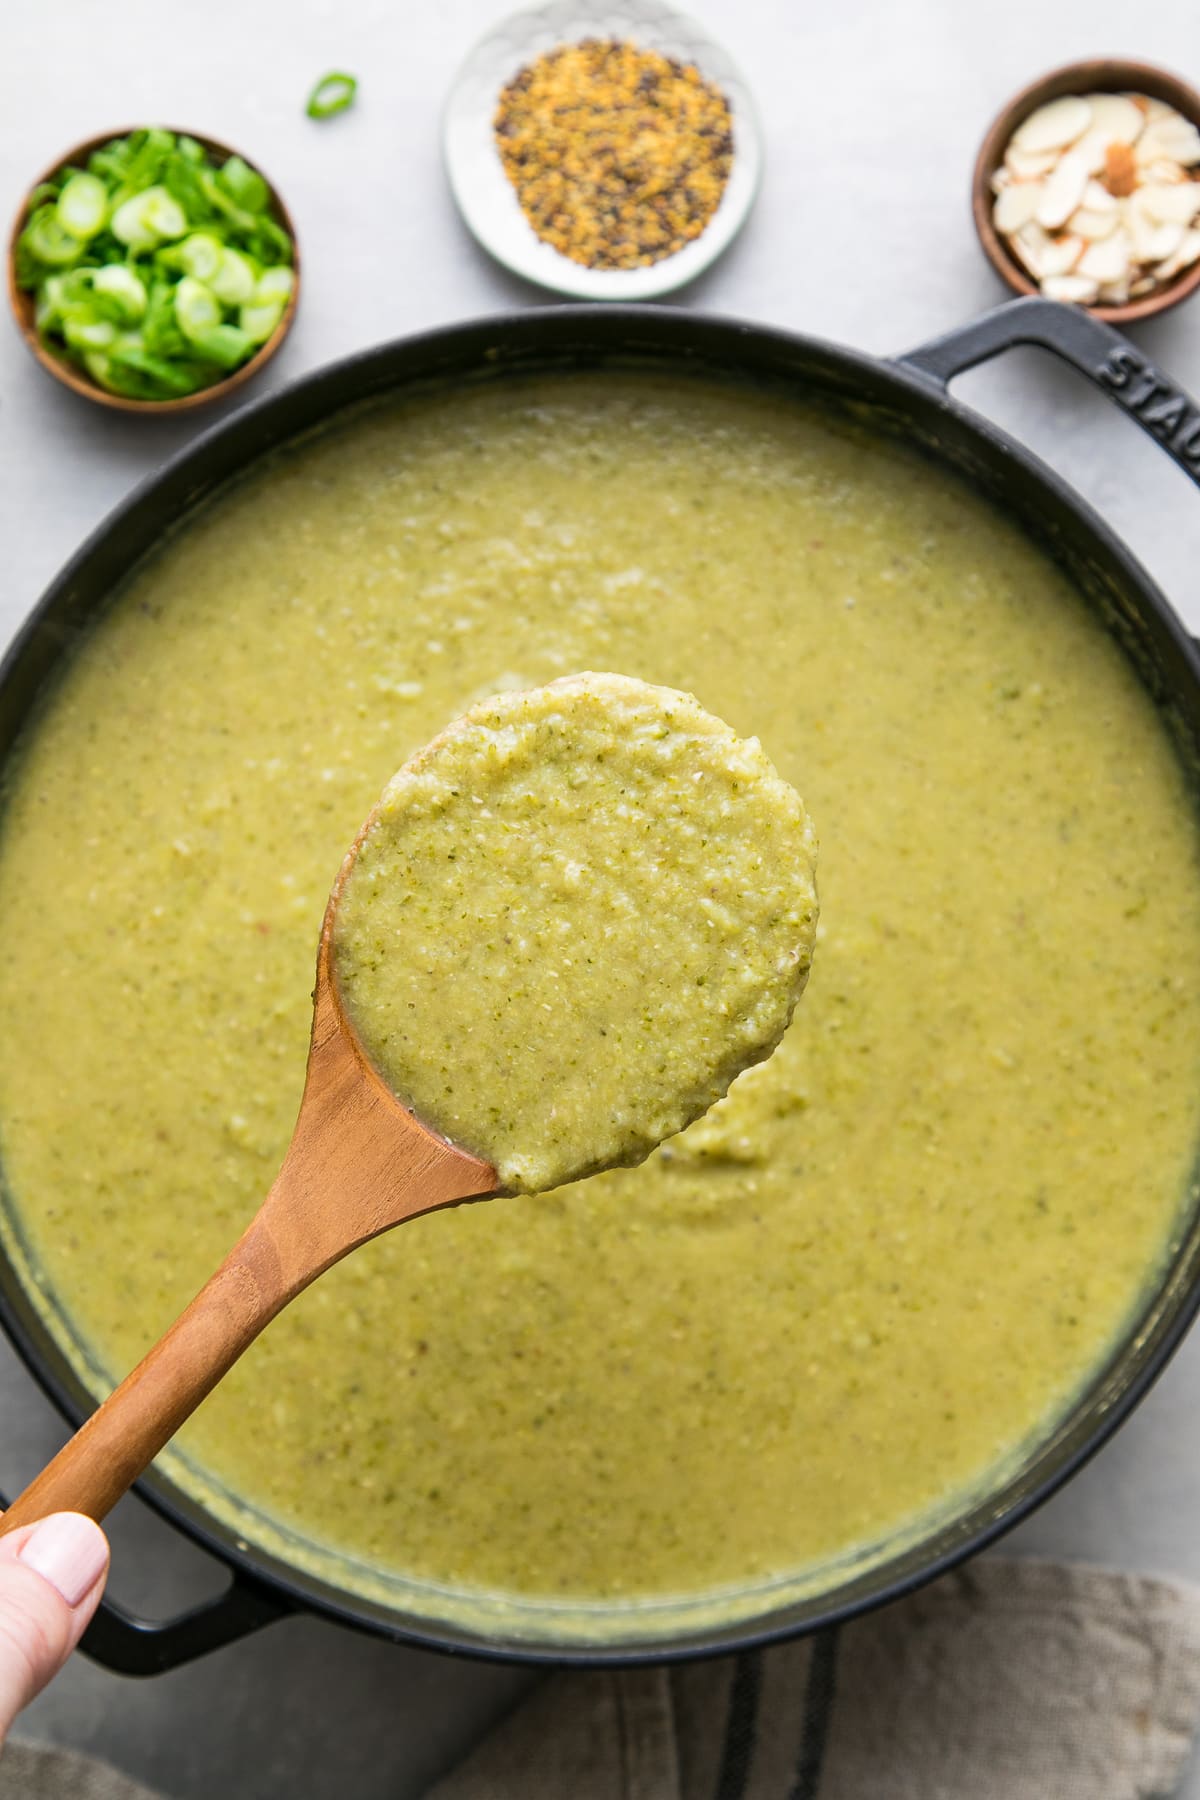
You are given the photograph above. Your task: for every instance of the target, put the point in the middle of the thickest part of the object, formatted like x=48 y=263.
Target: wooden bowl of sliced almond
x=1087 y=189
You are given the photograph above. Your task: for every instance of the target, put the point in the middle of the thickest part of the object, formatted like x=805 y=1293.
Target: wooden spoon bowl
x=78 y=380
x=359 y=1162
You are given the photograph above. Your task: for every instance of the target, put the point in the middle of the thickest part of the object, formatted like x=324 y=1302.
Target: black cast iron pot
x=906 y=398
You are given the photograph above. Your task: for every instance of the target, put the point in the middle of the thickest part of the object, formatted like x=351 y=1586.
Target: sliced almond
x=1061 y=255
x=1045 y=255
x=1118 y=117
x=1113 y=293
x=1120 y=170
x=1016 y=205
x=1174 y=139
x=1075 y=288
x=1145 y=284
x=1153 y=109
x=1054 y=126
x=1152 y=242
x=1027 y=165
x=1108 y=260
x=1183 y=258
x=1115 y=120
x=1165 y=171
x=1062 y=191
x=1001 y=179
x=1097 y=198
x=1091 y=149
x=1093 y=225
x=1170 y=205
x=1030 y=245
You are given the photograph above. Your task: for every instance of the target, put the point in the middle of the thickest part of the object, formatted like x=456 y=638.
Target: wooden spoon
x=358 y=1163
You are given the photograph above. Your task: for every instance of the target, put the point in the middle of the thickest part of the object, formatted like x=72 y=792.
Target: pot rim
x=689 y=343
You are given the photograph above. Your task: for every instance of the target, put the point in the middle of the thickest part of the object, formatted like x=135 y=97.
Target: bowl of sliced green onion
x=153 y=270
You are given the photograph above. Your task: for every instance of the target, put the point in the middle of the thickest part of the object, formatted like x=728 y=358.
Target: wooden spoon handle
x=112 y=1448
x=303 y=1227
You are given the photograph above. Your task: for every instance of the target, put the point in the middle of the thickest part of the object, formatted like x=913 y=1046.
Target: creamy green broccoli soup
x=572 y=920
x=837 y=1303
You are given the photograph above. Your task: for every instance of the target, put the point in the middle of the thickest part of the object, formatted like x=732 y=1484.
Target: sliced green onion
x=82 y=206
x=259 y=321
x=224 y=203
x=48 y=310
x=128 y=354
x=270 y=240
x=197 y=309
x=84 y=331
x=235 y=280
x=127 y=369
x=156 y=268
x=148 y=219
x=129 y=225
x=199 y=255
x=223 y=344
x=332 y=94
x=184 y=182
x=163 y=212
x=159 y=327
x=98 y=367
x=147 y=158
x=48 y=242
x=75 y=289
x=275 y=285
x=156 y=140
x=117 y=283
x=243 y=184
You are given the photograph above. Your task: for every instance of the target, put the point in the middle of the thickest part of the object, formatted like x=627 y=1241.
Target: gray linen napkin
x=38 y=1772
x=1005 y=1681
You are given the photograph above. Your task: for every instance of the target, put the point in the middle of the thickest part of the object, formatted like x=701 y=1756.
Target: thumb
x=51 y=1577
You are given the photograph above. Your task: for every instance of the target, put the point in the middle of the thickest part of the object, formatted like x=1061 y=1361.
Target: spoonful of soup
x=571 y=920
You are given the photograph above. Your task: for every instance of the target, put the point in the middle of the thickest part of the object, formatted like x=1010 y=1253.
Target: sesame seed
x=619 y=156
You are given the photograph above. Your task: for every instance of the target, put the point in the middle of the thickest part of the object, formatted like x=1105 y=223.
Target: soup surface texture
x=878 y=1268
x=572 y=920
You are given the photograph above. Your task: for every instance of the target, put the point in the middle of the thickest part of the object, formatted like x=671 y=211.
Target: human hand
x=51 y=1579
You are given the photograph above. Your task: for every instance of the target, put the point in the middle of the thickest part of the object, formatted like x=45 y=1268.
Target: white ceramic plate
x=486 y=197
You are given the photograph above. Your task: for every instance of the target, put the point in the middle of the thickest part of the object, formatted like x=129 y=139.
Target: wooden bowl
x=1098 y=75
x=23 y=301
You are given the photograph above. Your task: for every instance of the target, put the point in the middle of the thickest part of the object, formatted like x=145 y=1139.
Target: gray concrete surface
x=872 y=115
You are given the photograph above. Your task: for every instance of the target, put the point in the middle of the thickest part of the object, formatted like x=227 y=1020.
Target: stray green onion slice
x=332 y=94
x=158 y=268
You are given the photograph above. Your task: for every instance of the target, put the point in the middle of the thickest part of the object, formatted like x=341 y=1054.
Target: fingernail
x=68 y=1551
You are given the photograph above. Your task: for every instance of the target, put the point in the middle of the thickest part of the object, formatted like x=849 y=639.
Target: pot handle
x=128 y=1645
x=1125 y=373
